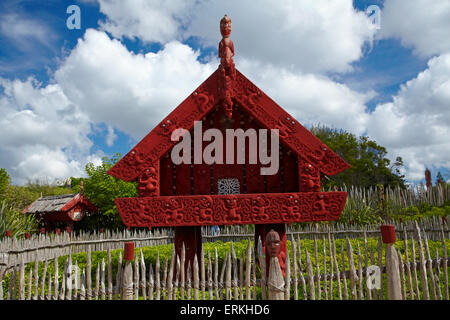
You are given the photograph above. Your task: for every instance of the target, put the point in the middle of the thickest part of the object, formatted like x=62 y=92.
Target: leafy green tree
x=369 y=165
x=101 y=189
x=46 y=189
x=4 y=182
x=14 y=221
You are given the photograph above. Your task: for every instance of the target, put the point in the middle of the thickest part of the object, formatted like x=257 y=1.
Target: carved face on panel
x=273 y=243
x=225 y=26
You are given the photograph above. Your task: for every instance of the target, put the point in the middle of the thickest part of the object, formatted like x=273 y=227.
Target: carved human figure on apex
x=188 y=196
x=226 y=46
x=226 y=68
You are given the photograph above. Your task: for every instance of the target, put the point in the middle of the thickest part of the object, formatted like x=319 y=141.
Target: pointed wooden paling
x=309 y=270
x=338 y=275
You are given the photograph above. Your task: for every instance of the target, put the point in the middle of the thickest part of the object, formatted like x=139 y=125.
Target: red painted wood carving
x=203 y=210
x=228 y=87
x=187 y=196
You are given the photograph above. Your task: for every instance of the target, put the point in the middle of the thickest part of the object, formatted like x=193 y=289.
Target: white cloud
x=158 y=21
x=42 y=134
x=311 y=98
x=130 y=92
x=282 y=47
x=416 y=124
x=305 y=35
x=110 y=136
x=421 y=24
x=23 y=31
x=133 y=92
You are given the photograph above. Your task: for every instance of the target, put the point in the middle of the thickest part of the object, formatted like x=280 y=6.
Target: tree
x=369 y=165
x=439 y=178
x=4 y=182
x=101 y=189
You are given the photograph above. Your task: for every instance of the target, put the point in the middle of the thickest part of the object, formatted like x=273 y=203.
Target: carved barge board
x=254 y=101
x=204 y=210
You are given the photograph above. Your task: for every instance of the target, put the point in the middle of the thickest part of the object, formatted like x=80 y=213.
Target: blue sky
x=347 y=75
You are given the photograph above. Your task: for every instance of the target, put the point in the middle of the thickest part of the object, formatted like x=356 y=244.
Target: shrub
x=13 y=220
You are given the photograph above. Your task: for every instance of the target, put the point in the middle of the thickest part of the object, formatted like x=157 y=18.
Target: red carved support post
x=127 y=275
x=392 y=263
x=261 y=231
x=275 y=282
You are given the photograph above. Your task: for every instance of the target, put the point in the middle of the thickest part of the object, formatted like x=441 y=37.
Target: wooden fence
x=323 y=267
x=399 y=198
x=48 y=246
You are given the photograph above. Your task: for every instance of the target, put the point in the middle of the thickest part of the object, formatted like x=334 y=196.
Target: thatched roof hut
x=66 y=208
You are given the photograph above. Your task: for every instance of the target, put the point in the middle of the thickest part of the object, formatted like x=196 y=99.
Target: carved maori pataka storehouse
x=187 y=196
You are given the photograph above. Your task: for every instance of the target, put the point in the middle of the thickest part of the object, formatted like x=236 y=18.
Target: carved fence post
x=127 y=276
x=394 y=290
x=275 y=283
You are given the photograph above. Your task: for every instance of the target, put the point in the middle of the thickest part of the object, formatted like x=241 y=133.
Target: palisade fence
x=400 y=198
x=324 y=261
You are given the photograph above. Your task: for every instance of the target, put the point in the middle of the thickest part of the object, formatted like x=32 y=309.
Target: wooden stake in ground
x=118 y=289
x=294 y=262
x=338 y=273
x=196 y=278
x=248 y=263
x=353 y=276
x=216 y=274
x=287 y=288
x=309 y=270
x=136 y=277
x=423 y=272
x=170 y=276
x=157 y=277
x=182 y=273
x=127 y=276
x=210 y=278
x=408 y=266
x=44 y=274
x=394 y=291
x=110 y=284
x=88 y=275
x=262 y=264
x=444 y=267
x=276 y=282
x=143 y=283
x=56 y=281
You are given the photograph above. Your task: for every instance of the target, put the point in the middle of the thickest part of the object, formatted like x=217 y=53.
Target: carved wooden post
x=275 y=281
x=127 y=276
x=392 y=264
x=261 y=232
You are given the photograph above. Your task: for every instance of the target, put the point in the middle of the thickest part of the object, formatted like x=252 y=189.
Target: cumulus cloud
x=42 y=134
x=133 y=92
x=311 y=98
x=284 y=48
x=127 y=91
x=322 y=35
x=152 y=21
x=416 y=124
x=420 y=24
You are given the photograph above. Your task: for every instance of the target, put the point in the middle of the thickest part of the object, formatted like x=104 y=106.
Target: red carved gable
x=253 y=101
